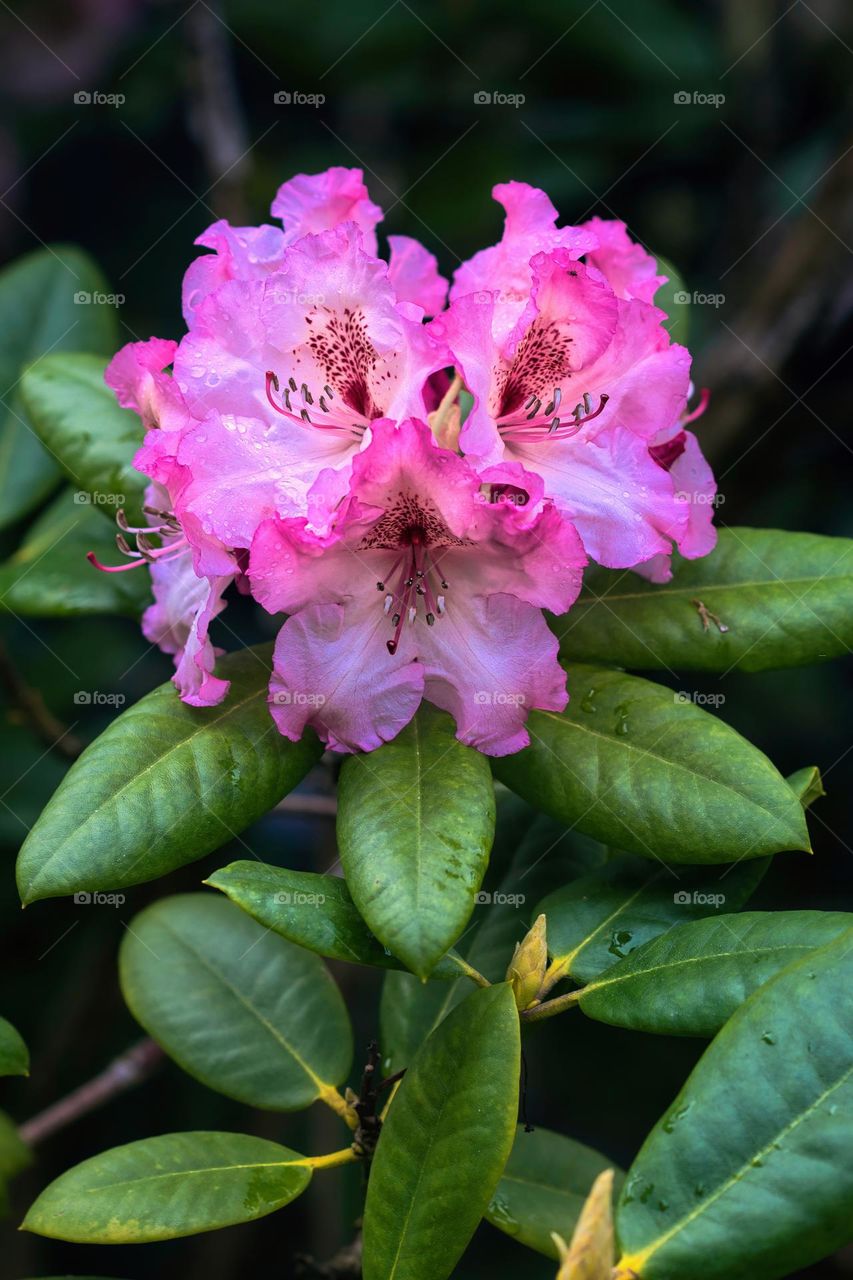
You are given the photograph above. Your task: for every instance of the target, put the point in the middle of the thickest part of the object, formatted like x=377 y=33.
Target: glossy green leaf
x=786 y=599
x=245 y=1012
x=79 y=420
x=415 y=825
x=749 y=1173
x=807 y=784
x=543 y=1187
x=314 y=911
x=596 y=920
x=14 y=1055
x=164 y=784
x=547 y=853
x=632 y=764
x=445 y=1142
x=175 y=1185
x=690 y=980
x=50 y=577
x=15 y=1156
x=39 y=314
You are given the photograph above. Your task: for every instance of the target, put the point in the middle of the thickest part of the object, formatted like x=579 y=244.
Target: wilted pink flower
x=429 y=584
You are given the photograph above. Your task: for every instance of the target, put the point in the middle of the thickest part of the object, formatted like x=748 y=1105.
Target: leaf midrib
x=647 y=754
x=135 y=778
x=588 y=602
x=641 y=1256
x=708 y=957
x=268 y=1026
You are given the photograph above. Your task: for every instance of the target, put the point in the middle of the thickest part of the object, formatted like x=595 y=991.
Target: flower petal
x=313 y=202
x=331 y=670
x=489 y=662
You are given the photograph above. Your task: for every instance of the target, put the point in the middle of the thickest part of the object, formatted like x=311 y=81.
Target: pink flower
x=629 y=270
x=136 y=375
x=428 y=584
x=575 y=391
x=285 y=376
x=307 y=205
x=186 y=599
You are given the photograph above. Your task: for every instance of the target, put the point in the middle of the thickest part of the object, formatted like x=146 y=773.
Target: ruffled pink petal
x=413 y=272
x=178 y=622
x=489 y=662
x=466 y=328
x=136 y=375
x=620 y=500
x=645 y=376
x=541 y=561
x=505 y=267
x=241 y=472
x=332 y=671
x=313 y=202
x=240 y=253
x=630 y=270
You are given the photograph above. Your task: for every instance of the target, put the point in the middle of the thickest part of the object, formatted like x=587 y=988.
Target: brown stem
x=345 y=1265
x=129 y=1069
x=40 y=718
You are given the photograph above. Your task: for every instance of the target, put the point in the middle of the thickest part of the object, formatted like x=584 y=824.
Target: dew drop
x=500 y=1214
x=672 y=1120
x=587 y=703
x=619 y=941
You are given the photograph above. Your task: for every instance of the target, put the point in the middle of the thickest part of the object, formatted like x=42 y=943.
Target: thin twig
x=129 y=1069
x=32 y=706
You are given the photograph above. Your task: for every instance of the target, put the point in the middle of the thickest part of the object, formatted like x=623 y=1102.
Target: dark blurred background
x=722 y=133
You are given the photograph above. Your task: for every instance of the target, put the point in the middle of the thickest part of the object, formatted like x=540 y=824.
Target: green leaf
x=689 y=981
x=245 y=1012
x=597 y=920
x=807 y=784
x=14 y=1055
x=175 y=1185
x=15 y=1155
x=632 y=765
x=314 y=911
x=786 y=599
x=670 y=298
x=544 y=1186
x=445 y=1142
x=50 y=577
x=415 y=825
x=548 y=853
x=164 y=784
x=38 y=315
x=79 y=420
x=749 y=1173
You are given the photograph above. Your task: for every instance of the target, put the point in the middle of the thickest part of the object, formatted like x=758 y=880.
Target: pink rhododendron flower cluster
x=308 y=447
